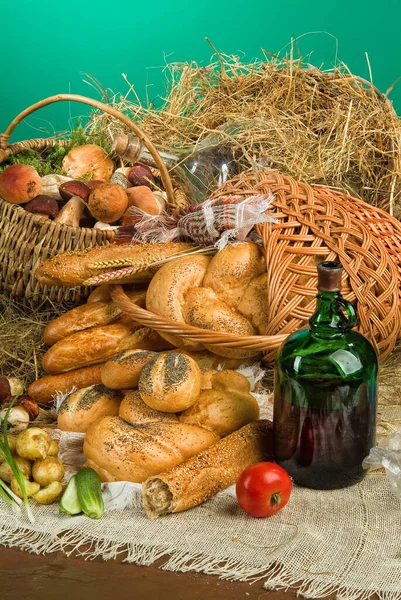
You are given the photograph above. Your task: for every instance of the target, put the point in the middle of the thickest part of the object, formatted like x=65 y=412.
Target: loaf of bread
x=84 y=348
x=224 y=408
x=99 y=294
x=254 y=303
x=227 y=294
x=44 y=390
x=170 y=382
x=84 y=406
x=168 y=288
x=119 y=451
x=94 y=314
x=123 y=370
x=196 y=480
x=79 y=318
x=134 y=411
x=204 y=309
x=231 y=270
x=74 y=268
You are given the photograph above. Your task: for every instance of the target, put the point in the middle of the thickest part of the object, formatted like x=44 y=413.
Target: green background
x=47 y=45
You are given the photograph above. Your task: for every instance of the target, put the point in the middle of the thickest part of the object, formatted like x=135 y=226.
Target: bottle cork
x=329 y=276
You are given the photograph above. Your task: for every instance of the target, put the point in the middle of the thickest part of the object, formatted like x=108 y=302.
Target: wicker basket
x=314 y=223
x=27 y=240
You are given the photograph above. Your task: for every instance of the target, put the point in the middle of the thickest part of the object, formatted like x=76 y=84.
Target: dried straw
x=21 y=343
x=329 y=128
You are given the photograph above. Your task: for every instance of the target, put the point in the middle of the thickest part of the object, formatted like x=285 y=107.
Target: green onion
x=5 y=449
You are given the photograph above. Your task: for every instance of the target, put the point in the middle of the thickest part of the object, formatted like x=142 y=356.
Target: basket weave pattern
x=314 y=224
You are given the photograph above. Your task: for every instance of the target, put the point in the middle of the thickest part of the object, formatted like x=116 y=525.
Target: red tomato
x=263 y=489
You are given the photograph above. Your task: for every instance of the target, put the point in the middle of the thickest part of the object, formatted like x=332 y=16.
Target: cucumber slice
x=69 y=503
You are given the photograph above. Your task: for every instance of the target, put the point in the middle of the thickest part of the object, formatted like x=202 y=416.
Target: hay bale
x=330 y=128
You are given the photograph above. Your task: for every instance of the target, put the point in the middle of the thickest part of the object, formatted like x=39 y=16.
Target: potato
x=48 y=494
x=31 y=487
x=22 y=463
x=33 y=443
x=53 y=450
x=47 y=470
x=12 y=442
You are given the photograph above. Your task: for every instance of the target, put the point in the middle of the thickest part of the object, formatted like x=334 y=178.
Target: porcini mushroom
x=77 y=194
x=120 y=176
x=45 y=206
x=10 y=386
x=108 y=202
x=143 y=198
x=89 y=161
x=51 y=183
x=19 y=184
x=140 y=174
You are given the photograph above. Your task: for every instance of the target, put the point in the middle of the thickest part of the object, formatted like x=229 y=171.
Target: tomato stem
x=275 y=499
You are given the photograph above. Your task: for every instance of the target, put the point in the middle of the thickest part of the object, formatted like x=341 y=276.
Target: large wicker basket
x=314 y=223
x=27 y=240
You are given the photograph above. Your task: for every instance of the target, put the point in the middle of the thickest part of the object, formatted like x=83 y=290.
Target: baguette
x=43 y=390
x=74 y=268
x=85 y=348
x=86 y=316
x=207 y=473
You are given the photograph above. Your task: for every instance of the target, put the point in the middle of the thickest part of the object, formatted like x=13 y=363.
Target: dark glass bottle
x=325 y=393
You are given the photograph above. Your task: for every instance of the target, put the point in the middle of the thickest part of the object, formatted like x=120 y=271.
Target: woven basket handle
x=107 y=109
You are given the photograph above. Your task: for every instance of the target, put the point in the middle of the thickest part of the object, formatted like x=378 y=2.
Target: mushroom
x=104 y=226
x=140 y=174
x=51 y=183
x=92 y=185
x=120 y=176
x=77 y=194
x=19 y=184
x=45 y=206
x=89 y=161
x=10 y=386
x=108 y=202
x=142 y=197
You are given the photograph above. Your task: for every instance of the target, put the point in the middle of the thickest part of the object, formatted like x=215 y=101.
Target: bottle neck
x=328 y=319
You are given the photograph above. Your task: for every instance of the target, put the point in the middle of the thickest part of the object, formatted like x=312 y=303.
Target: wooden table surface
x=25 y=576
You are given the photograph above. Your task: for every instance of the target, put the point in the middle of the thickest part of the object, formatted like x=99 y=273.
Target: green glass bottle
x=325 y=393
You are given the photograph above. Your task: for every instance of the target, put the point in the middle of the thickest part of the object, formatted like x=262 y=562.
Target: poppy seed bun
x=84 y=406
x=123 y=370
x=170 y=382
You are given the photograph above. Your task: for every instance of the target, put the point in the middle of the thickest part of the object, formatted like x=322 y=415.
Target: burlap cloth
x=346 y=542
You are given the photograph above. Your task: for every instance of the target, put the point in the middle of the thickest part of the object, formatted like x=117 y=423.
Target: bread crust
x=207 y=473
x=168 y=288
x=170 y=382
x=123 y=370
x=119 y=451
x=84 y=406
x=44 y=389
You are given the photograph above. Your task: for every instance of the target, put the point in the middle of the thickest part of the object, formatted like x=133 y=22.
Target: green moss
x=49 y=161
